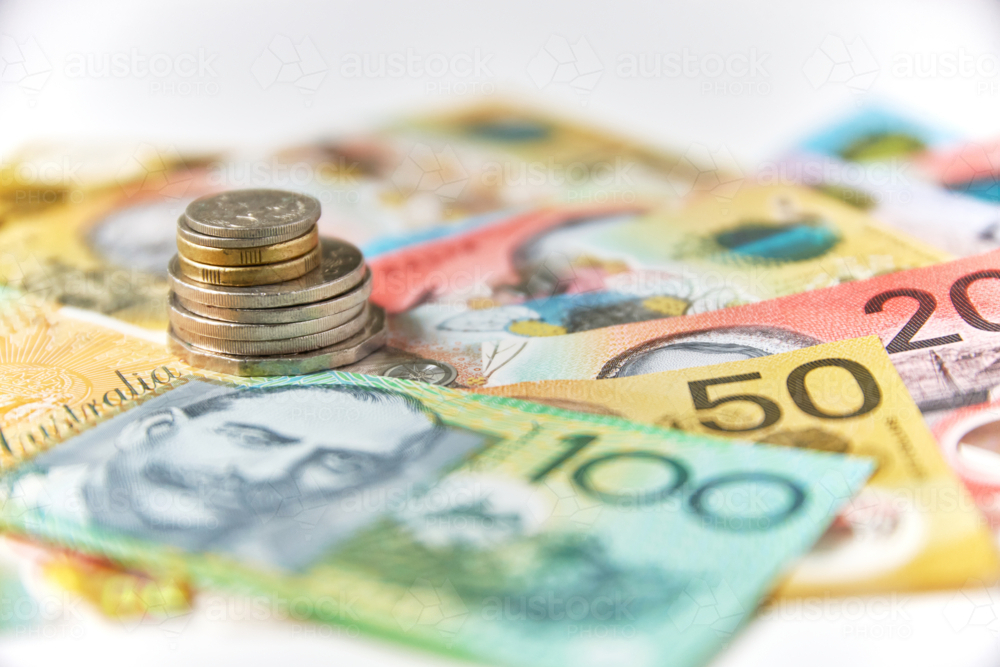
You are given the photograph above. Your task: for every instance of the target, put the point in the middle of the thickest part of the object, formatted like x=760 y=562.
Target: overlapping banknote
x=938 y=324
x=692 y=389
x=914 y=526
x=559 y=271
x=760 y=243
x=925 y=181
x=489 y=528
x=95 y=228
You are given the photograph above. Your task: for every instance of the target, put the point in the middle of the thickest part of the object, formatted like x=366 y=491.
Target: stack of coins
x=255 y=291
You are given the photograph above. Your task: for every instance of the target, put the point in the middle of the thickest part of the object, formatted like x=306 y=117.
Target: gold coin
x=255 y=348
x=342 y=269
x=349 y=351
x=247 y=276
x=263 y=254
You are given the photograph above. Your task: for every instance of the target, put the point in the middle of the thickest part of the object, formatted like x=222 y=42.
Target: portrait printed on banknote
x=275 y=475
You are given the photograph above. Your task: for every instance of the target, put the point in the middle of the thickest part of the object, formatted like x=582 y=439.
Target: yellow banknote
x=561 y=147
x=60 y=374
x=770 y=241
x=97 y=232
x=914 y=526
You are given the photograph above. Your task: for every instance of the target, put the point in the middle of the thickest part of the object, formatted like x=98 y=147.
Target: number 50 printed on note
x=913 y=527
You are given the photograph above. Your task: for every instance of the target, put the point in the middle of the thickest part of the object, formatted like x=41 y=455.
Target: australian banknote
x=60 y=373
x=760 y=243
x=558 y=271
x=909 y=175
x=420 y=177
x=489 y=528
x=938 y=324
x=913 y=527
x=970 y=168
x=95 y=228
x=98 y=239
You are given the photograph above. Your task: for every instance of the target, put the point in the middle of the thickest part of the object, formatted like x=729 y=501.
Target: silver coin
x=379 y=362
x=253 y=214
x=349 y=351
x=198 y=238
x=342 y=269
x=294 y=345
x=423 y=370
x=310 y=311
x=182 y=318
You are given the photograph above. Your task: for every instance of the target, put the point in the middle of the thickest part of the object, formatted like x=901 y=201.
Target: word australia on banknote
x=913 y=527
x=940 y=326
x=532 y=531
x=59 y=374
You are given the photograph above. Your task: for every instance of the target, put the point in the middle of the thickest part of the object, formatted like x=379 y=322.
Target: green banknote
x=488 y=528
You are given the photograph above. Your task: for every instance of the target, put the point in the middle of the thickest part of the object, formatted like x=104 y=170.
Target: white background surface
x=754 y=116
x=231 y=107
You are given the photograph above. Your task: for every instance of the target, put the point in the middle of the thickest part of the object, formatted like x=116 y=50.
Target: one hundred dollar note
x=492 y=529
x=940 y=326
x=913 y=527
